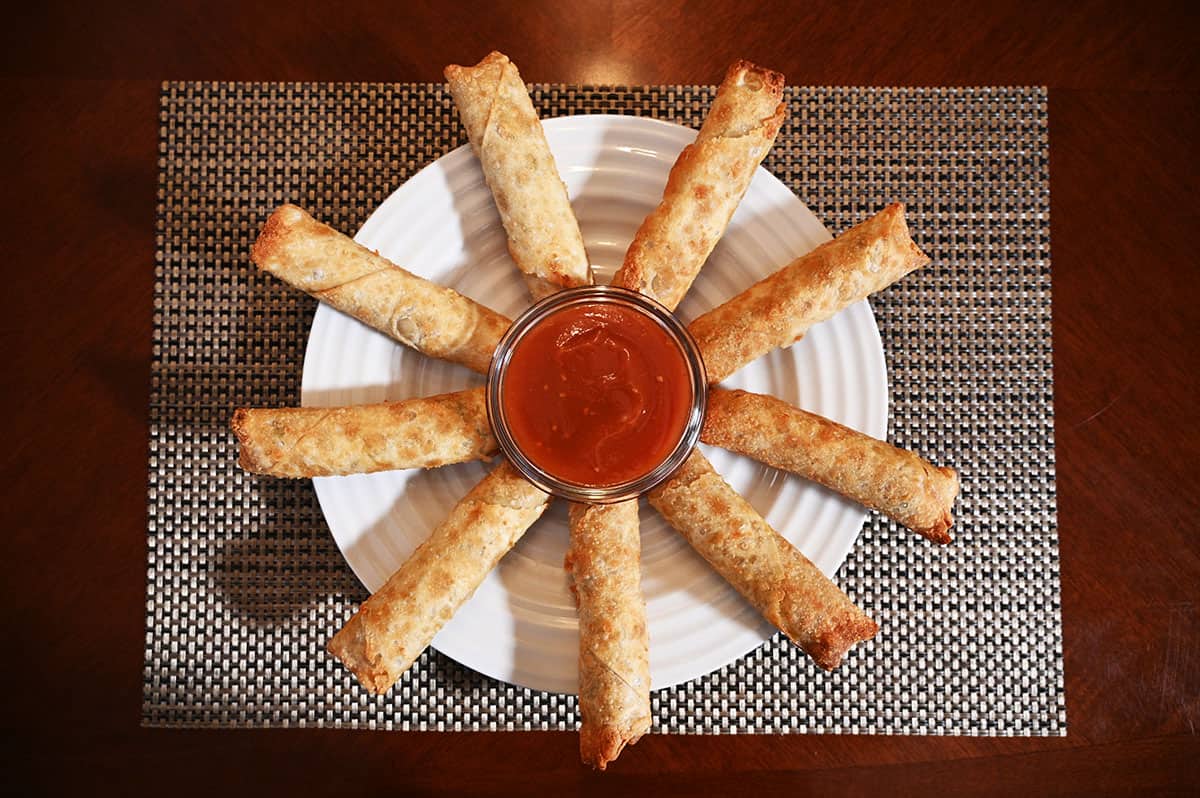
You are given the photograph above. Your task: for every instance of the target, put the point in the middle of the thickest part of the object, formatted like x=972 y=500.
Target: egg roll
x=896 y=482
x=779 y=309
x=391 y=629
x=771 y=573
x=362 y=439
x=705 y=185
x=322 y=262
x=503 y=127
x=603 y=561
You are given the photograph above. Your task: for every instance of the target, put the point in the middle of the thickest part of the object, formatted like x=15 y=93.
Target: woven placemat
x=245 y=584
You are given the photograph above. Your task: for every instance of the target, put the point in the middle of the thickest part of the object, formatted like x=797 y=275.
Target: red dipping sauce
x=597 y=394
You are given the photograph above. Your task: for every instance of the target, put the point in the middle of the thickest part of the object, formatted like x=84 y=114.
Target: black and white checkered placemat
x=245 y=584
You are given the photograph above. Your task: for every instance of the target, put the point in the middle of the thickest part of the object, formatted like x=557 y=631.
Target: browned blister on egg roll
x=328 y=441
x=603 y=561
x=333 y=268
x=761 y=564
x=705 y=185
x=898 y=483
x=779 y=309
x=543 y=234
x=391 y=629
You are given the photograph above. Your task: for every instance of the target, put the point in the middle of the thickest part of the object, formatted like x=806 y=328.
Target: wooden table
x=79 y=140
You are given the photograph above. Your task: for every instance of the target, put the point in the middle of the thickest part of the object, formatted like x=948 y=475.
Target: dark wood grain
x=79 y=147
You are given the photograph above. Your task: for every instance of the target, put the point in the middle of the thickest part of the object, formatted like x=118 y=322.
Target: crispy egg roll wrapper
x=392 y=627
x=761 y=564
x=603 y=560
x=543 y=234
x=874 y=473
x=705 y=185
x=329 y=441
x=779 y=309
x=320 y=261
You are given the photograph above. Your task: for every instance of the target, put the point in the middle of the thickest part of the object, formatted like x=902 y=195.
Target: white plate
x=520 y=626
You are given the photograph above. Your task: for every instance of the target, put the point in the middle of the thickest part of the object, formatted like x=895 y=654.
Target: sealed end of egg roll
x=391 y=629
x=705 y=185
x=761 y=564
x=329 y=441
x=779 y=309
x=543 y=234
x=874 y=473
x=322 y=262
x=603 y=561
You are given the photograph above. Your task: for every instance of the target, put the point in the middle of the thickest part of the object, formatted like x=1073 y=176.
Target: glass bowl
x=589 y=295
